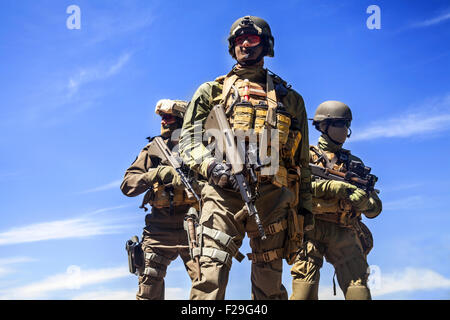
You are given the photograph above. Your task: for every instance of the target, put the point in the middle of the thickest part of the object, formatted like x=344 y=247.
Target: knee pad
x=358 y=293
x=302 y=290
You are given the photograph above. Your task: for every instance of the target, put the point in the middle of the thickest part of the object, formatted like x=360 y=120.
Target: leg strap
x=271 y=228
x=155 y=273
x=215 y=254
x=153 y=257
x=223 y=239
x=266 y=256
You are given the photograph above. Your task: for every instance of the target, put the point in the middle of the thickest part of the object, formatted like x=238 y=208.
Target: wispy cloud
x=92 y=74
x=404 y=203
x=170 y=294
x=85 y=226
x=112 y=185
x=5 y=264
x=107 y=295
x=435 y=119
x=403 y=281
x=68 y=281
x=433 y=21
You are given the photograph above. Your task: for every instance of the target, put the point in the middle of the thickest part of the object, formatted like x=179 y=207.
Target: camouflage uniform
x=343 y=240
x=275 y=204
x=164 y=238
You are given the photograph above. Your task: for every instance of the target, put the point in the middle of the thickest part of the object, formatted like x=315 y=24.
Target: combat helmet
x=252 y=25
x=176 y=108
x=332 y=110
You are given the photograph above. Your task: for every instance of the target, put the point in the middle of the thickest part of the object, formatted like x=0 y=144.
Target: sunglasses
x=250 y=40
x=168 y=118
x=340 y=123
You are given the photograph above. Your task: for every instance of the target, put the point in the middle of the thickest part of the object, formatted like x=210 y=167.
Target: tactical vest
x=163 y=196
x=166 y=196
x=258 y=110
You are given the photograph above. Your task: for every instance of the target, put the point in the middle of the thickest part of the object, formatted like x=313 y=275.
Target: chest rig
x=254 y=111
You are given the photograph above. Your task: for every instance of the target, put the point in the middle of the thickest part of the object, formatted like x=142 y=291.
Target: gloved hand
x=220 y=174
x=330 y=189
x=169 y=175
x=359 y=200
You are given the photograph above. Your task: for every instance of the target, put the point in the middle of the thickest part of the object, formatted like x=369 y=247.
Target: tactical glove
x=330 y=189
x=374 y=206
x=220 y=174
x=168 y=175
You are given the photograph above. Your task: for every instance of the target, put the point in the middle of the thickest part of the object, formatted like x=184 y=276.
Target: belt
x=340 y=218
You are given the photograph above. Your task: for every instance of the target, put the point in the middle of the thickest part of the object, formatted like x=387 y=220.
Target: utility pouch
x=283 y=125
x=295 y=220
x=135 y=256
x=365 y=237
x=291 y=146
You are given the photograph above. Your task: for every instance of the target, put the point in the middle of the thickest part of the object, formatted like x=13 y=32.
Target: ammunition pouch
x=135 y=256
x=246 y=117
x=365 y=237
x=165 y=196
x=279 y=179
x=343 y=214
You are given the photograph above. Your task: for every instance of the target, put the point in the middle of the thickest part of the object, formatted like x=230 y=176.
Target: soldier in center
x=254 y=99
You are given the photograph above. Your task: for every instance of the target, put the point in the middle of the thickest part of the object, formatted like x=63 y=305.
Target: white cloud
x=6 y=262
x=405 y=281
x=430 y=22
x=67 y=281
x=61 y=229
x=112 y=185
x=96 y=73
x=170 y=294
x=107 y=295
x=435 y=119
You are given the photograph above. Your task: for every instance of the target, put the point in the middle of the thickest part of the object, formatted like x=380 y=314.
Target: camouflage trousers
x=163 y=240
x=219 y=209
x=342 y=248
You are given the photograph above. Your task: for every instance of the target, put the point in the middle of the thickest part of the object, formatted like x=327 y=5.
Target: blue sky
x=76 y=106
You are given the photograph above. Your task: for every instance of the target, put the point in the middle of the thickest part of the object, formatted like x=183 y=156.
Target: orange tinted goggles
x=248 y=40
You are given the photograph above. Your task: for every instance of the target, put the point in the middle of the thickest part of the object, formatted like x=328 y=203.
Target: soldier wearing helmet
x=164 y=238
x=255 y=100
x=339 y=234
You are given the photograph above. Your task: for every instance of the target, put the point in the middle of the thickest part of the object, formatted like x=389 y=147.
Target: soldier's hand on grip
x=169 y=175
x=220 y=174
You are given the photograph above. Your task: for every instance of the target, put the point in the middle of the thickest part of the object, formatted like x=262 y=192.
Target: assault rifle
x=357 y=174
x=217 y=121
x=159 y=148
